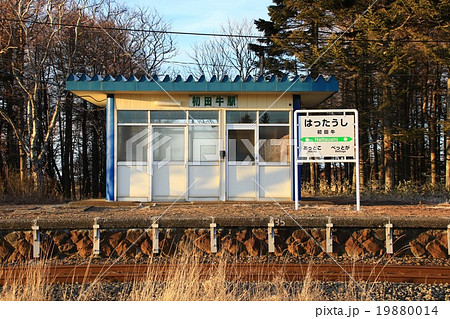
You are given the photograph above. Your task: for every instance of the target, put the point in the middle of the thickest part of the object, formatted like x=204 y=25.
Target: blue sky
x=208 y=15
x=204 y=16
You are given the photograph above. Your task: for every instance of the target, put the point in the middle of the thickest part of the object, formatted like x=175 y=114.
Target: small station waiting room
x=199 y=140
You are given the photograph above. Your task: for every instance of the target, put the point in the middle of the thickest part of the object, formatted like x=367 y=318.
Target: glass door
x=132 y=156
x=168 y=154
x=203 y=159
x=169 y=163
x=242 y=162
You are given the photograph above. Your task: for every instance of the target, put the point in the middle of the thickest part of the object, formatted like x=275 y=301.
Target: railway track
x=232 y=272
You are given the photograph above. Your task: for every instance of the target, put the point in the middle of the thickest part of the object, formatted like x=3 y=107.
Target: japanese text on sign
x=327 y=136
x=213 y=101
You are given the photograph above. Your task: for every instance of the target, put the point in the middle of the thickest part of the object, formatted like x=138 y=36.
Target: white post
x=36 y=240
x=271 y=235
x=295 y=160
x=155 y=238
x=96 y=238
x=213 y=235
x=329 y=237
x=358 y=204
x=389 y=239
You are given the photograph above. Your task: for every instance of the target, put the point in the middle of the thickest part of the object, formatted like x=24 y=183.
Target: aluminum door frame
x=253 y=127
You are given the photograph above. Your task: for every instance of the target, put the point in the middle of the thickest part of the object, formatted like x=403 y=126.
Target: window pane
x=274 y=143
x=241 y=117
x=203 y=143
x=132 y=117
x=167 y=116
x=203 y=117
x=241 y=145
x=273 y=117
x=132 y=142
x=168 y=144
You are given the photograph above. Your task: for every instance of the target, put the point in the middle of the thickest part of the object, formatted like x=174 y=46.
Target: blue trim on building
x=261 y=84
x=110 y=147
x=296 y=105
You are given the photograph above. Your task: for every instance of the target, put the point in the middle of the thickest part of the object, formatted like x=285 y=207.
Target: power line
x=198 y=64
x=205 y=34
x=134 y=30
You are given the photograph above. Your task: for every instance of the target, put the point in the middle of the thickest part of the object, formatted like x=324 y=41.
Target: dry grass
x=404 y=191
x=185 y=281
x=13 y=190
x=32 y=284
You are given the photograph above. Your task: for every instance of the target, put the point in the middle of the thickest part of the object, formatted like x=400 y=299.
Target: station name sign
x=213 y=101
x=327 y=136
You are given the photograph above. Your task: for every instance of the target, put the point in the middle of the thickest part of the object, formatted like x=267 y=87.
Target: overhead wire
x=257 y=37
x=228 y=35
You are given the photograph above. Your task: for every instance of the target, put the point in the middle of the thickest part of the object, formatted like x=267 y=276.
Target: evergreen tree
x=265 y=118
x=392 y=63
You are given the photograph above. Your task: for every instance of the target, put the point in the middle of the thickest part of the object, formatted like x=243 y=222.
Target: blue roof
x=155 y=84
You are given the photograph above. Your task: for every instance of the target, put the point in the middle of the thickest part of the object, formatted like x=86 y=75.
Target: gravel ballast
x=332 y=291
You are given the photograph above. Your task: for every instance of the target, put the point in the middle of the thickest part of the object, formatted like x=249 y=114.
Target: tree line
x=51 y=143
x=391 y=59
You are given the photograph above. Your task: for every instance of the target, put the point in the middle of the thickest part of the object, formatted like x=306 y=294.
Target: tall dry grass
x=31 y=282
x=185 y=280
x=13 y=190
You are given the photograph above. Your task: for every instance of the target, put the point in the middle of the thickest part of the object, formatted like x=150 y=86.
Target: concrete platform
x=125 y=230
x=312 y=213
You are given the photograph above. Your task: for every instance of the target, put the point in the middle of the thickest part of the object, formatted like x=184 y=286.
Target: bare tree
x=210 y=59
x=35 y=42
x=150 y=48
x=227 y=55
x=237 y=51
x=41 y=43
x=137 y=39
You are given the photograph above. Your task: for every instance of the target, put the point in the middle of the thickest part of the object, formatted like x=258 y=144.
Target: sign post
x=326 y=136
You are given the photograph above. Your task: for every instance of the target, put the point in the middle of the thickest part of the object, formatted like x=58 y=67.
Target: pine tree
x=392 y=65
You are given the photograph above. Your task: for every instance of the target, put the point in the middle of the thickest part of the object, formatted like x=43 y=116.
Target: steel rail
x=231 y=272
